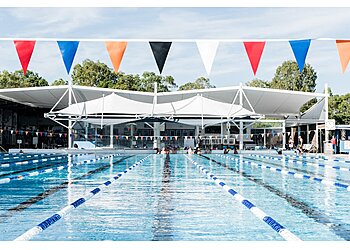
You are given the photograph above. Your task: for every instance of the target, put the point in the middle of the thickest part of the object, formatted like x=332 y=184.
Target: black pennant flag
x=160 y=52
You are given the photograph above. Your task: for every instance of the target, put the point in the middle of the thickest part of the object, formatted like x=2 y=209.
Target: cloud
x=51 y=22
x=231 y=64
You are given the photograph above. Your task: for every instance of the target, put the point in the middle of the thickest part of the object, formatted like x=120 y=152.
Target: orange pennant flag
x=343 y=47
x=116 y=51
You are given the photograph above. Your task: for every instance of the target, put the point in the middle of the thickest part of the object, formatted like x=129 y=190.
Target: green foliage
x=339 y=106
x=288 y=77
x=18 y=80
x=164 y=83
x=97 y=74
x=59 y=82
x=94 y=74
x=258 y=83
x=266 y=124
x=126 y=82
x=200 y=83
x=308 y=105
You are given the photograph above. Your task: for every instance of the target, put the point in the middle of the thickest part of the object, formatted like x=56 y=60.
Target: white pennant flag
x=207 y=50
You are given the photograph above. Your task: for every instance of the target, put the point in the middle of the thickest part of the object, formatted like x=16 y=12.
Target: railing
x=2 y=149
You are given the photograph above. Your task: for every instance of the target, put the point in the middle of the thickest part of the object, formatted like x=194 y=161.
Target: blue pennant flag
x=68 y=50
x=300 y=49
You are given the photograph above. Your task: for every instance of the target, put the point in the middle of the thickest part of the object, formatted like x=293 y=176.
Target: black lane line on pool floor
x=340 y=229
x=162 y=225
x=24 y=205
x=293 y=168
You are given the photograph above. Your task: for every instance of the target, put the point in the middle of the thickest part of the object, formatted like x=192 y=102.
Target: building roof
x=266 y=102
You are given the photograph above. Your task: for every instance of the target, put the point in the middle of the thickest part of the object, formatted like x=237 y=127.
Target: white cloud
x=231 y=64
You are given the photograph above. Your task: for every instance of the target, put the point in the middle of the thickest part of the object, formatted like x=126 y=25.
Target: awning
x=114 y=105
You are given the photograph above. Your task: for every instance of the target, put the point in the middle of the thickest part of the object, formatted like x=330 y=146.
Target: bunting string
x=207 y=49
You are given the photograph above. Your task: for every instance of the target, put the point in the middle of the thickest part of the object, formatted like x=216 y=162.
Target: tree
x=18 y=80
x=59 y=82
x=126 y=82
x=164 y=83
x=95 y=74
x=339 y=106
x=258 y=83
x=98 y=74
x=288 y=77
x=199 y=83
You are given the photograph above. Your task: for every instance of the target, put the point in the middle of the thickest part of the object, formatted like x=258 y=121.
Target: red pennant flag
x=116 y=51
x=24 y=51
x=254 y=51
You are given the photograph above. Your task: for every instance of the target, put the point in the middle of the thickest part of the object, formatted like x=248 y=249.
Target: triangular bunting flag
x=68 y=50
x=116 y=51
x=160 y=52
x=207 y=50
x=24 y=51
x=254 y=51
x=300 y=49
x=343 y=47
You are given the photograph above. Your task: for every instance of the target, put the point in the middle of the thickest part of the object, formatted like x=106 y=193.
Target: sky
x=231 y=65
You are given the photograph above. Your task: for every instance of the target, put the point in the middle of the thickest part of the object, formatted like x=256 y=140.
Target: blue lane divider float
x=22 y=156
x=291 y=173
x=281 y=230
x=50 y=170
x=60 y=214
x=26 y=156
x=12 y=164
x=340 y=168
x=324 y=158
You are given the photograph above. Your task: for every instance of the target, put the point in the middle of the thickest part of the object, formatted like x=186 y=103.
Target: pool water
x=167 y=198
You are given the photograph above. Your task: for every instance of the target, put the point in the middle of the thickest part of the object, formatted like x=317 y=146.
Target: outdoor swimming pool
x=170 y=197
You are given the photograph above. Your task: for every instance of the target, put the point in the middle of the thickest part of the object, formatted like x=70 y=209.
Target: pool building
x=88 y=169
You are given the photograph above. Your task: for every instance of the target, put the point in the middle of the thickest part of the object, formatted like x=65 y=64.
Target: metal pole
x=111 y=136
x=326 y=112
x=240 y=135
x=86 y=130
x=284 y=134
x=70 y=139
x=241 y=94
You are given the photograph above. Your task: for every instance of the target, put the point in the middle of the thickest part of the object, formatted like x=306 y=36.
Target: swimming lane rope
x=60 y=214
x=281 y=230
x=49 y=170
x=291 y=173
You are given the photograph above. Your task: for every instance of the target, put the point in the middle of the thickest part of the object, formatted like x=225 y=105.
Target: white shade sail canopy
x=201 y=106
x=316 y=114
x=197 y=106
x=110 y=104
